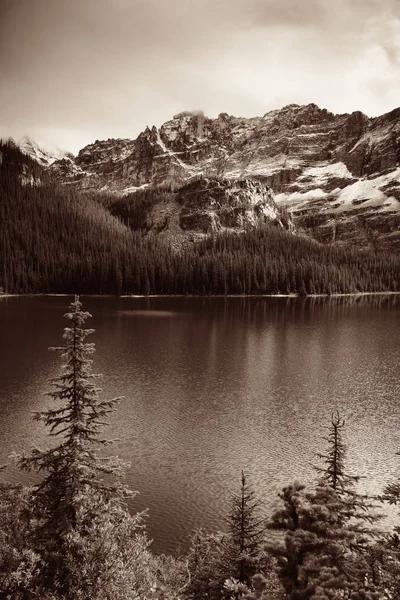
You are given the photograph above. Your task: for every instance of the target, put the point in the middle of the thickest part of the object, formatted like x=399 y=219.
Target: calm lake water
x=214 y=386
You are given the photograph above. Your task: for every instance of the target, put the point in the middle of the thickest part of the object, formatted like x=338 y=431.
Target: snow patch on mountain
x=335 y=172
x=365 y=193
x=299 y=198
x=327 y=170
x=173 y=155
x=132 y=189
x=368 y=192
x=44 y=155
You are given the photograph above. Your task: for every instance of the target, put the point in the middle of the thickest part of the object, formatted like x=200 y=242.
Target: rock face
x=214 y=205
x=207 y=206
x=338 y=175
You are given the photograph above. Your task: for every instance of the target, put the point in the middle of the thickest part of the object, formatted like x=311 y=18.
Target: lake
x=213 y=386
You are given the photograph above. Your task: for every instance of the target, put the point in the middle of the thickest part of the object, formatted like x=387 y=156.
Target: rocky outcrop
x=213 y=205
x=207 y=206
x=339 y=175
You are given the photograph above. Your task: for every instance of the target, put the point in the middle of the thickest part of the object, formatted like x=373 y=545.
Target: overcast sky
x=72 y=71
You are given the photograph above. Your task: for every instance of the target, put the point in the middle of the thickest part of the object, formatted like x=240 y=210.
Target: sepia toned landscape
x=200 y=219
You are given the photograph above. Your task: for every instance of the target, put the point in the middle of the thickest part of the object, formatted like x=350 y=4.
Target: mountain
x=201 y=207
x=45 y=156
x=338 y=175
x=163 y=240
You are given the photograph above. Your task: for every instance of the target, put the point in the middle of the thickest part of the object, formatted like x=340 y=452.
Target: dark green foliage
x=358 y=511
x=390 y=568
x=333 y=473
x=384 y=563
x=19 y=563
x=263 y=588
x=53 y=239
x=357 y=508
x=134 y=209
x=243 y=553
x=224 y=564
x=206 y=581
x=391 y=493
x=82 y=530
x=319 y=558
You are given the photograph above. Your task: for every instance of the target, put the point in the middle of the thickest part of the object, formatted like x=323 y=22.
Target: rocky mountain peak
x=45 y=156
x=292 y=116
x=339 y=175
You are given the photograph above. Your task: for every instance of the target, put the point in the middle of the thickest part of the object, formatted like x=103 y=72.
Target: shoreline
x=337 y=295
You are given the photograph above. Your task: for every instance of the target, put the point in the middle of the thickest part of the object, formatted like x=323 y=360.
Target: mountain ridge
x=210 y=236
x=338 y=175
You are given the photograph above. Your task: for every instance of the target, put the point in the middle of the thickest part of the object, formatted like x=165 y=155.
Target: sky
x=73 y=71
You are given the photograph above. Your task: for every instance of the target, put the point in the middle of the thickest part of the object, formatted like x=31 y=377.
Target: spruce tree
x=357 y=507
x=223 y=565
x=328 y=534
x=333 y=473
x=391 y=492
x=391 y=568
x=358 y=510
x=203 y=559
x=88 y=544
x=243 y=548
x=316 y=559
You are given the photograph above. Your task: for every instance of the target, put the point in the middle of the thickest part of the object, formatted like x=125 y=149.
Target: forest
x=54 y=239
x=70 y=536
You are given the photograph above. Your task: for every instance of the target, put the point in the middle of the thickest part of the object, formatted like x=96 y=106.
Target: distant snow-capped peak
x=44 y=155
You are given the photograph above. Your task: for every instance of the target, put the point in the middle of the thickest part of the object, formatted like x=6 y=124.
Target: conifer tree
x=333 y=472
x=391 y=492
x=243 y=552
x=356 y=506
x=224 y=564
x=391 y=568
x=328 y=533
x=203 y=561
x=358 y=510
x=89 y=546
x=316 y=559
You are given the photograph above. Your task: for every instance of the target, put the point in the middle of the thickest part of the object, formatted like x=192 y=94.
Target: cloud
x=291 y=13
x=107 y=68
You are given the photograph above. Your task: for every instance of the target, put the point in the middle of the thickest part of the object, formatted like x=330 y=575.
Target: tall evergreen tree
x=357 y=507
x=391 y=568
x=328 y=533
x=89 y=546
x=224 y=564
x=333 y=473
x=243 y=552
